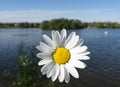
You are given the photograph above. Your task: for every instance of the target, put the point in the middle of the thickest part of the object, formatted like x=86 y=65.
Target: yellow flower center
x=61 y=55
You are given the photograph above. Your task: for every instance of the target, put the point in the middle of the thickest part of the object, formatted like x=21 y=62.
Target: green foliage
x=27 y=73
x=27 y=25
x=61 y=23
x=5 y=25
x=75 y=24
x=19 y=25
x=104 y=25
x=45 y=24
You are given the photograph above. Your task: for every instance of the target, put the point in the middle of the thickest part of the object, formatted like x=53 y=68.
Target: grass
x=27 y=73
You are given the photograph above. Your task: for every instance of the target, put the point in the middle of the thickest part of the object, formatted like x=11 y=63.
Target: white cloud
x=31 y=15
x=40 y=15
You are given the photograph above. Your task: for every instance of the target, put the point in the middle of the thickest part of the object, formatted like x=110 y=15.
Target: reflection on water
x=103 y=69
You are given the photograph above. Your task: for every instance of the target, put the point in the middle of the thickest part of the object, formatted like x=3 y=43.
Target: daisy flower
x=61 y=55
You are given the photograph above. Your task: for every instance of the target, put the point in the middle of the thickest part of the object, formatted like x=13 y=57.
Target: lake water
x=103 y=69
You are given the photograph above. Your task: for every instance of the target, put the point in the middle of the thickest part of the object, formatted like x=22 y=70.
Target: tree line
x=76 y=24
x=20 y=25
x=61 y=23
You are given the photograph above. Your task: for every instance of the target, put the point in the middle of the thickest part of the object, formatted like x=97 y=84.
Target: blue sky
x=39 y=10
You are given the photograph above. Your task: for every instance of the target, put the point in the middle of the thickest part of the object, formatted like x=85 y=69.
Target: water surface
x=103 y=69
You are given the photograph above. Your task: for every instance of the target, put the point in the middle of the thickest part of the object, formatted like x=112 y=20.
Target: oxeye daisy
x=61 y=54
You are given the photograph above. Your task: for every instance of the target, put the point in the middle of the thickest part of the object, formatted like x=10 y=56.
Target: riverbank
x=61 y=23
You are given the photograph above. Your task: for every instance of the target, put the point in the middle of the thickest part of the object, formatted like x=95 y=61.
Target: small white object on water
x=106 y=32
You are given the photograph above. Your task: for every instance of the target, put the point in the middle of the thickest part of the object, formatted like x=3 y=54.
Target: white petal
x=77 y=63
x=51 y=72
x=82 y=49
x=62 y=73
x=56 y=72
x=72 y=70
x=69 y=39
x=39 y=48
x=40 y=55
x=58 y=35
x=84 y=53
x=79 y=43
x=43 y=55
x=49 y=69
x=63 y=36
x=45 y=61
x=45 y=67
x=48 y=40
x=67 y=76
x=43 y=73
x=73 y=42
x=77 y=50
x=80 y=57
x=56 y=38
x=45 y=47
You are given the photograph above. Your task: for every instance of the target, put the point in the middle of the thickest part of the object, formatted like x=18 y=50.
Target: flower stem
x=52 y=84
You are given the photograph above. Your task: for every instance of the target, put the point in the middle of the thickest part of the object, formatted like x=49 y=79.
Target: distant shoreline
x=61 y=23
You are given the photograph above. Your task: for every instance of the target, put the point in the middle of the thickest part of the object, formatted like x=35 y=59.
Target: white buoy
x=106 y=32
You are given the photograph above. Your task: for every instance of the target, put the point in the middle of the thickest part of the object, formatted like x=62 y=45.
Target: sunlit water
x=103 y=69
